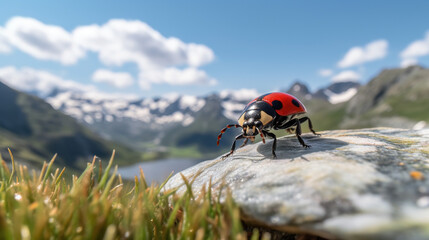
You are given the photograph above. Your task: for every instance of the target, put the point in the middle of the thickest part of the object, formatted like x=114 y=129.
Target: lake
x=157 y=171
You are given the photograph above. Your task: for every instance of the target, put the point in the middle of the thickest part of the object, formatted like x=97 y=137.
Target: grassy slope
x=410 y=98
x=35 y=131
x=395 y=98
x=324 y=116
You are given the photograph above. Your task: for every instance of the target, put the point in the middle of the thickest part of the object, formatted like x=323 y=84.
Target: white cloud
x=244 y=94
x=42 y=83
x=158 y=58
x=175 y=76
x=408 y=62
x=38 y=81
x=42 y=41
x=358 y=55
x=116 y=79
x=417 y=48
x=325 y=72
x=4 y=43
x=347 y=75
x=119 y=41
x=414 y=50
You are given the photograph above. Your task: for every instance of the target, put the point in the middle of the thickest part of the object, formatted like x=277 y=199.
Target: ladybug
x=275 y=110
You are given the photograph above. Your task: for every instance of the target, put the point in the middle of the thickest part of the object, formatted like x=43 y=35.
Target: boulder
x=351 y=184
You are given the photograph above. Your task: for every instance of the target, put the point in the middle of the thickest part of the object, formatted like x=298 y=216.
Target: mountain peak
x=300 y=90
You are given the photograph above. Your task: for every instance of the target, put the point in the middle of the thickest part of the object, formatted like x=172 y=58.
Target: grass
x=415 y=110
x=184 y=152
x=99 y=205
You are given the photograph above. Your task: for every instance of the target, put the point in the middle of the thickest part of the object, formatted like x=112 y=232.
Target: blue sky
x=216 y=45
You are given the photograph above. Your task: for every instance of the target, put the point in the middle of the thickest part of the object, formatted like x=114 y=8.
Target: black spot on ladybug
x=295 y=102
x=277 y=105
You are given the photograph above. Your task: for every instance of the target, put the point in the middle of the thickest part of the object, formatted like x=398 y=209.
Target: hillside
x=394 y=98
x=35 y=132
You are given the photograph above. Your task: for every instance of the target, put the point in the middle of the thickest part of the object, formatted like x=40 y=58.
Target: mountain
x=299 y=90
x=181 y=125
x=35 y=132
x=396 y=98
x=334 y=93
x=177 y=125
x=181 y=121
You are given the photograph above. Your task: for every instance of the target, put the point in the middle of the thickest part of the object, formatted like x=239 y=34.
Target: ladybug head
x=255 y=117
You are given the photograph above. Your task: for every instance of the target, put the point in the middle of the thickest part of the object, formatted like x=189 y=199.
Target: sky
x=156 y=48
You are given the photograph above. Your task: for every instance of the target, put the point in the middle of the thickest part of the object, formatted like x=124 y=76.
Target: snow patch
x=88 y=119
x=296 y=88
x=232 y=110
x=175 y=117
x=109 y=118
x=74 y=112
x=187 y=121
x=88 y=108
x=191 y=102
x=341 y=97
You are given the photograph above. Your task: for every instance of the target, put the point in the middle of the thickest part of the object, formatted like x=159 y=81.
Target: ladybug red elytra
x=270 y=111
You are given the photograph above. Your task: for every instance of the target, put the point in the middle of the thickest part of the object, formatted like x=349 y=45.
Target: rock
x=351 y=184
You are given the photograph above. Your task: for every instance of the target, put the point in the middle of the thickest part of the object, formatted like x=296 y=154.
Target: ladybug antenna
x=262 y=135
x=224 y=129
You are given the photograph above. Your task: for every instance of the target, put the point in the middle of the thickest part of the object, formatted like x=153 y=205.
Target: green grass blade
x=13 y=165
x=48 y=171
x=105 y=177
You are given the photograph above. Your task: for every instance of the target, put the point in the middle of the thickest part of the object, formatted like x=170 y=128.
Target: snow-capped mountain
x=154 y=112
x=134 y=121
x=334 y=93
x=138 y=122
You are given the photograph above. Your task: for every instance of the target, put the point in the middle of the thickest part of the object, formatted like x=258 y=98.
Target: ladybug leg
x=224 y=130
x=244 y=143
x=295 y=123
x=310 y=125
x=290 y=130
x=233 y=146
x=298 y=134
x=273 y=136
x=288 y=124
x=262 y=135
